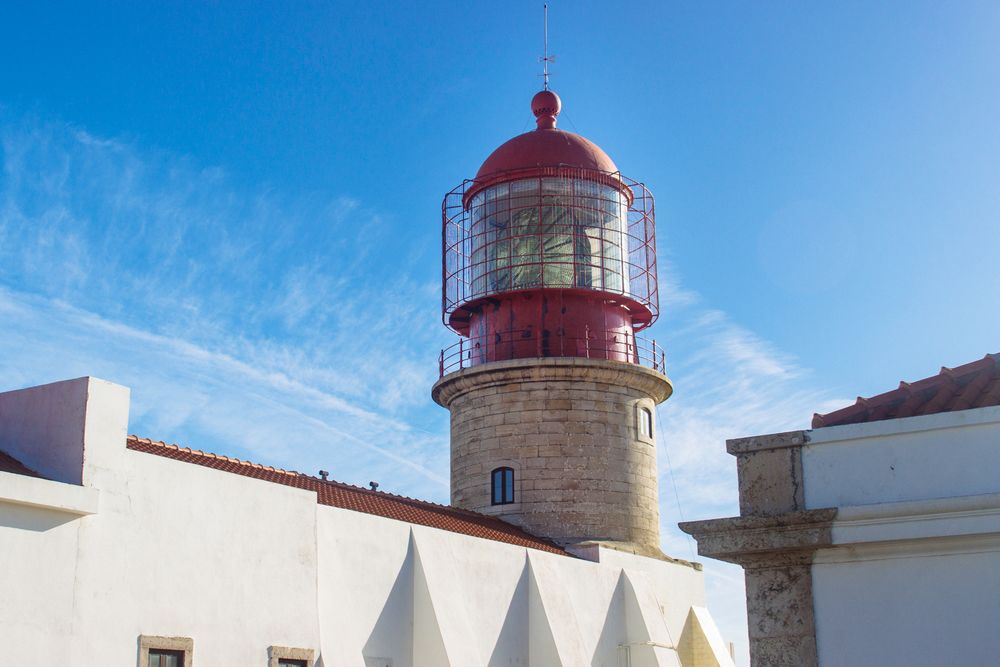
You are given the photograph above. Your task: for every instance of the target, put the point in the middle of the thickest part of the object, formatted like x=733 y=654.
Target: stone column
x=774 y=539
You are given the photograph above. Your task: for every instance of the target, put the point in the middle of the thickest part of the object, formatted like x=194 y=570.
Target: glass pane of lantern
x=524 y=194
x=612 y=280
x=557 y=186
x=584 y=259
x=500 y=265
x=550 y=232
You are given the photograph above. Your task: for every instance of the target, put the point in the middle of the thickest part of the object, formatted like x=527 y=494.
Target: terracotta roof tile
x=974 y=385
x=346 y=496
x=9 y=464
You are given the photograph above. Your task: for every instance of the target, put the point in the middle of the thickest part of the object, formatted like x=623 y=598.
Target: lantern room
x=548 y=252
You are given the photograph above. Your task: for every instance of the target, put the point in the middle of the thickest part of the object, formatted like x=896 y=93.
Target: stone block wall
x=569 y=428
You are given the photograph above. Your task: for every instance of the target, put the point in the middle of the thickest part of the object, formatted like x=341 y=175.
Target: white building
x=874 y=538
x=117 y=550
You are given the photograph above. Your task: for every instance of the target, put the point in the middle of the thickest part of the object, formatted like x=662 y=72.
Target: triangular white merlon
x=701 y=643
x=553 y=632
x=649 y=641
x=441 y=629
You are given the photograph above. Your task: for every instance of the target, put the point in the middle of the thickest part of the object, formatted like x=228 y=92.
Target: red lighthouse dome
x=549 y=251
x=546 y=146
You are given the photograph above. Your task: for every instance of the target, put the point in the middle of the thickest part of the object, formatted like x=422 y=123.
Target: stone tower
x=549 y=271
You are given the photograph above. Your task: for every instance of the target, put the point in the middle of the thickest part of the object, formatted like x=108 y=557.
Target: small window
x=502 y=486
x=646 y=422
x=159 y=657
x=157 y=651
x=284 y=656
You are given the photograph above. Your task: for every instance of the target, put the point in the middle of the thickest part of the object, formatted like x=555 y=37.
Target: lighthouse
x=549 y=276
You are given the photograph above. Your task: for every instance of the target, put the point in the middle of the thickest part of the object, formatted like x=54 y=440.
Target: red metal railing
x=565 y=228
x=522 y=344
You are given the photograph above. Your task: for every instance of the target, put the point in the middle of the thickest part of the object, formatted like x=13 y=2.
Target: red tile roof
x=346 y=496
x=9 y=464
x=975 y=385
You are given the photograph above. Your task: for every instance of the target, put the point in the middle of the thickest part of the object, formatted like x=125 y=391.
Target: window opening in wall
x=158 y=651
x=502 y=486
x=285 y=656
x=646 y=422
x=164 y=658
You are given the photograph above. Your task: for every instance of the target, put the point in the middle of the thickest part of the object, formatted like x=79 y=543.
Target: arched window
x=502 y=486
x=646 y=422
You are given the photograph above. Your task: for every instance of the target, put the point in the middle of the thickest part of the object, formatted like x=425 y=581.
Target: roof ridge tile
x=210 y=455
x=951 y=389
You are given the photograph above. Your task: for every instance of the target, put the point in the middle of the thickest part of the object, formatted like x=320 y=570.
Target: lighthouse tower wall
x=578 y=437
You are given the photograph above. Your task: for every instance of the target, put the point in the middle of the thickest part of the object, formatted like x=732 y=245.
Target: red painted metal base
x=551 y=323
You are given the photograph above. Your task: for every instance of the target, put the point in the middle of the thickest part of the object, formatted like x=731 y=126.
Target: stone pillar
x=570 y=430
x=774 y=539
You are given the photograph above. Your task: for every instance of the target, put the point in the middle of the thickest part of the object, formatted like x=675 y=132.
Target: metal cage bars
x=471 y=272
x=514 y=344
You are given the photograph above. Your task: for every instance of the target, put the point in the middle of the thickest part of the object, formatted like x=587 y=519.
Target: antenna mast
x=546 y=58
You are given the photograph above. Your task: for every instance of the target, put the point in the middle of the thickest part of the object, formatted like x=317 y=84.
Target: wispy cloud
x=244 y=321
x=728 y=382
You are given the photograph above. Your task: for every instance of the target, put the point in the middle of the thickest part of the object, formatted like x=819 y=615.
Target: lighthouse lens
x=548 y=232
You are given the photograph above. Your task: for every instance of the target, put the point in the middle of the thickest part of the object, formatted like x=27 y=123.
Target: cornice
x=764 y=541
x=652 y=383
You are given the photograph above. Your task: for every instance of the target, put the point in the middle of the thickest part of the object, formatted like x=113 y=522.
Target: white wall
x=913 y=576
x=932 y=456
x=190 y=551
x=919 y=611
x=433 y=598
x=37 y=584
x=239 y=564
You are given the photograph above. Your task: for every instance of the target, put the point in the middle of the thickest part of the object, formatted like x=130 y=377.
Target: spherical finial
x=546 y=106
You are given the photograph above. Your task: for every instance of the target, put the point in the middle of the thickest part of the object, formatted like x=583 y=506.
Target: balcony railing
x=527 y=344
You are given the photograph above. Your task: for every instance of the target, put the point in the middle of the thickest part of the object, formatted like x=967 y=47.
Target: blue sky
x=235 y=211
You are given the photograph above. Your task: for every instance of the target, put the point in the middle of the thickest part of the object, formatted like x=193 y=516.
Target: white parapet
x=66 y=431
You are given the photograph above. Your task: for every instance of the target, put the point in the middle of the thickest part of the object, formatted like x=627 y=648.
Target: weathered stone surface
x=774 y=539
x=770 y=481
x=779 y=601
x=786 y=539
x=783 y=652
x=755 y=443
x=770 y=472
x=568 y=429
x=776 y=553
